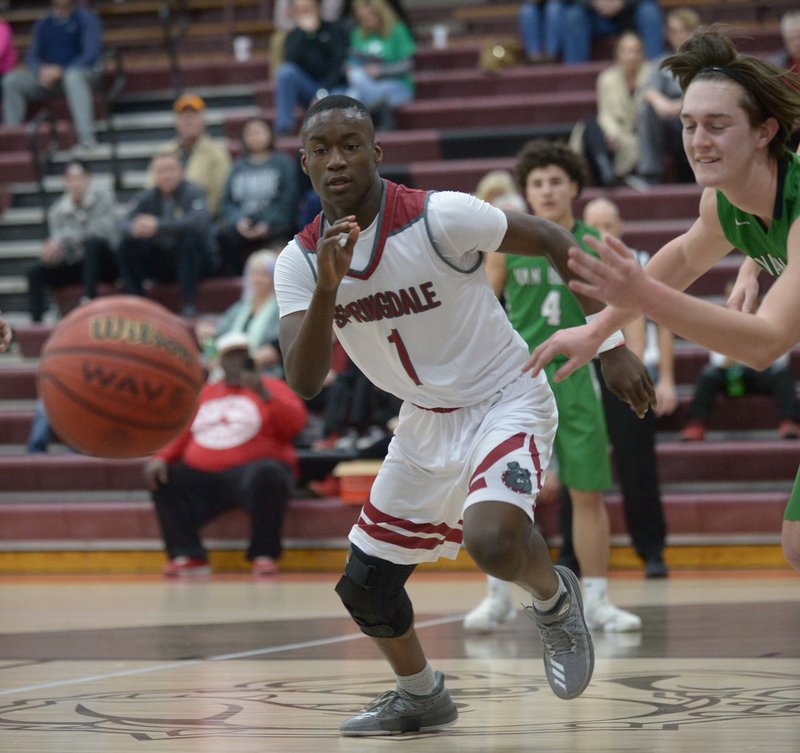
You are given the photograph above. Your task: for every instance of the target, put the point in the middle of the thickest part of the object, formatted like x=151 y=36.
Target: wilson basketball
x=119 y=377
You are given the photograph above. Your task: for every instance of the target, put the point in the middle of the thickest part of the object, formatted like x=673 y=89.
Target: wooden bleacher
x=464 y=122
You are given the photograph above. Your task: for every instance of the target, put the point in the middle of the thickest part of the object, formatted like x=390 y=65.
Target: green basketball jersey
x=746 y=231
x=538 y=302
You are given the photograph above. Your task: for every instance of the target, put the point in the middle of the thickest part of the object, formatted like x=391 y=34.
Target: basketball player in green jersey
x=738 y=112
x=551 y=176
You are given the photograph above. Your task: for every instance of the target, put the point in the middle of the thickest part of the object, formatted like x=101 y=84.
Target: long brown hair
x=767 y=91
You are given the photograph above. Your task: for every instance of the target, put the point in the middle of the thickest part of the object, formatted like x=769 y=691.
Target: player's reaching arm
x=754 y=339
x=625 y=375
x=679 y=263
x=305 y=336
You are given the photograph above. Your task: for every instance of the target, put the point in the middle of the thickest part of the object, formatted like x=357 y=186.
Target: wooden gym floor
x=136 y=663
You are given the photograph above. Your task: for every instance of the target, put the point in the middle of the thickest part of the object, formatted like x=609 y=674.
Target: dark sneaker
x=395 y=712
x=655 y=567
x=568 y=649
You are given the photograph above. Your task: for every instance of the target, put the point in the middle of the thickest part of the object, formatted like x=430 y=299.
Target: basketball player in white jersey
x=397 y=274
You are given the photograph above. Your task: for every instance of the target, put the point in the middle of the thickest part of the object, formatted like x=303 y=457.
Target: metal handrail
x=42 y=158
x=110 y=97
x=174 y=31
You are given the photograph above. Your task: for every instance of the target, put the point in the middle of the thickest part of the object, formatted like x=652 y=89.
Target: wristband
x=614 y=340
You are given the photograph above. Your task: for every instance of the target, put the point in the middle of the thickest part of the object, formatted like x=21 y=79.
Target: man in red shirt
x=237 y=450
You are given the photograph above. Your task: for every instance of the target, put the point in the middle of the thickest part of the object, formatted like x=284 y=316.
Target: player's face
x=341 y=157
x=717 y=136
x=549 y=193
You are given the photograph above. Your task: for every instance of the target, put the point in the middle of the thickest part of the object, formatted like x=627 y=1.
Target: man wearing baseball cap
x=205 y=162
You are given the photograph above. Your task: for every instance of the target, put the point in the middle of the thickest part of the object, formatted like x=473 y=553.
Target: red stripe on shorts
x=411 y=538
x=537 y=462
x=504 y=448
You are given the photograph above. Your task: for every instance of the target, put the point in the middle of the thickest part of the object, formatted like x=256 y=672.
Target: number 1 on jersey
x=405 y=359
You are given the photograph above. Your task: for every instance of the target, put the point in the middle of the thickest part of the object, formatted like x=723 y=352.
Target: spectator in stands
x=5 y=335
x=499 y=188
x=723 y=375
x=314 y=54
x=205 y=162
x=357 y=414
x=83 y=235
x=283 y=20
x=381 y=60
x=259 y=200
x=609 y=140
x=658 y=122
x=255 y=314
x=165 y=234
x=237 y=451
x=734 y=379
x=633 y=438
x=62 y=58
x=541 y=27
x=585 y=20
x=789 y=56
x=8 y=53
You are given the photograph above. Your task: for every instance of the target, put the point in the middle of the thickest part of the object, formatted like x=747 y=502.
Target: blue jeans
x=372 y=92
x=584 y=25
x=41 y=434
x=293 y=86
x=143 y=259
x=541 y=26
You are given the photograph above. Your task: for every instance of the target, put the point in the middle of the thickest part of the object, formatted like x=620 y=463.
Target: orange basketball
x=119 y=377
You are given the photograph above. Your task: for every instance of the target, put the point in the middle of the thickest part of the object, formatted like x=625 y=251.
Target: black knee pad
x=373 y=590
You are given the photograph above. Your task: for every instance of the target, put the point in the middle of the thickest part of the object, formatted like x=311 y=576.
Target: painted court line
x=219 y=657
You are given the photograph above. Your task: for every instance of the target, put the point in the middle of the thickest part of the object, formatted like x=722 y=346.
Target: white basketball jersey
x=418 y=315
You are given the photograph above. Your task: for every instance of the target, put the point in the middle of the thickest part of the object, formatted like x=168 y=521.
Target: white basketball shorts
x=440 y=463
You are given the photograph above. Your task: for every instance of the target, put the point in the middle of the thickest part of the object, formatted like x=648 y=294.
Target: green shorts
x=793 y=506
x=581 y=443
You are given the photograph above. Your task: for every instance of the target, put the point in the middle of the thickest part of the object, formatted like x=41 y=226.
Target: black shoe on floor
x=655 y=567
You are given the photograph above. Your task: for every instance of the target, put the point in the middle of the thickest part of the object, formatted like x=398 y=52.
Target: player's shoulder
x=306 y=239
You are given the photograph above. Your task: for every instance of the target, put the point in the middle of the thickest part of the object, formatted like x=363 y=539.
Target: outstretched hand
x=579 y=344
x=616 y=277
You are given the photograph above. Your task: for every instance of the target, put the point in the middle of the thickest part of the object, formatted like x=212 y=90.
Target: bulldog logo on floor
x=624 y=703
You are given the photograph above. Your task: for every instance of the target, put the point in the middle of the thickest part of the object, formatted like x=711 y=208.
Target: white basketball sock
x=422 y=683
x=595 y=590
x=547 y=605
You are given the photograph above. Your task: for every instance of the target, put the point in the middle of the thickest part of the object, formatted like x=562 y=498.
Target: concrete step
x=730 y=461
x=130 y=522
x=55 y=522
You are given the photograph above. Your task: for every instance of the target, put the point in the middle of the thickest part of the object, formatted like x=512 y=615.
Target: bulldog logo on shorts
x=517 y=479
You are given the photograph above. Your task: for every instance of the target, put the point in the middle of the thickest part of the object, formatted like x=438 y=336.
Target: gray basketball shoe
x=395 y=712
x=568 y=649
